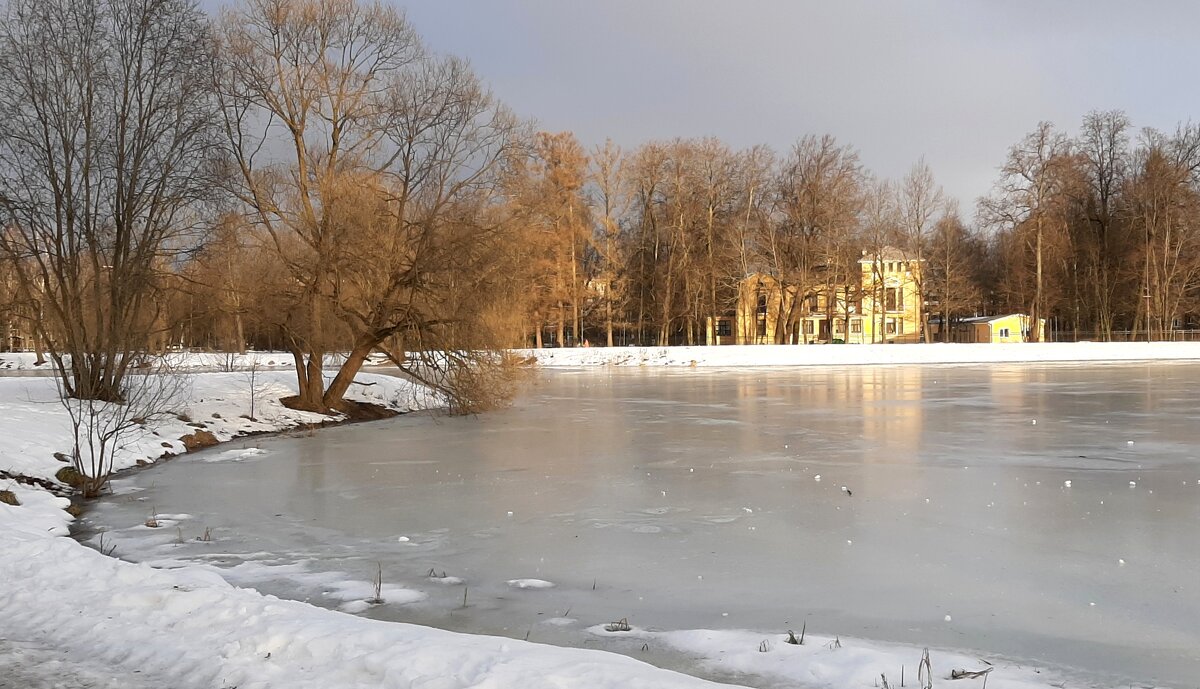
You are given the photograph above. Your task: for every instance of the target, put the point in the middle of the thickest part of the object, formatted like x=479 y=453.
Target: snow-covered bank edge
x=193 y=361
x=34 y=425
x=740 y=356
x=187 y=627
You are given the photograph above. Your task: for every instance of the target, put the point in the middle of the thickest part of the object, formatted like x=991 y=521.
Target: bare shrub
x=255 y=386
x=100 y=429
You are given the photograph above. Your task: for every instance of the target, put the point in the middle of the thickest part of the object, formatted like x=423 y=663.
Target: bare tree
x=558 y=211
x=820 y=198
x=881 y=228
x=1103 y=246
x=1027 y=201
x=648 y=254
x=107 y=131
x=920 y=203
x=949 y=273
x=611 y=200
x=1164 y=205
x=381 y=204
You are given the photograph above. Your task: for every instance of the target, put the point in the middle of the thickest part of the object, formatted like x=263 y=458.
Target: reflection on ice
x=909 y=504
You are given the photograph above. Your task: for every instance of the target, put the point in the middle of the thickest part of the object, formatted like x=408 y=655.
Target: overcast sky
x=956 y=81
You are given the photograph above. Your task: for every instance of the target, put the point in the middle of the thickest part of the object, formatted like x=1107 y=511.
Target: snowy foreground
x=71 y=613
x=850 y=355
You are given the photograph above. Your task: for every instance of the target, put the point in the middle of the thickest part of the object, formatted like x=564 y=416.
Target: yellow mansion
x=884 y=307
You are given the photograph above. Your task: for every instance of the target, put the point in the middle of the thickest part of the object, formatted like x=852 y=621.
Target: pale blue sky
x=957 y=81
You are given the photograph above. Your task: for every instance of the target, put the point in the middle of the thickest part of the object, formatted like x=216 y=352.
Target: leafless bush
x=254 y=385
x=100 y=429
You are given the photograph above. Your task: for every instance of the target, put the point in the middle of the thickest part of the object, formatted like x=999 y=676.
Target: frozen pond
x=690 y=499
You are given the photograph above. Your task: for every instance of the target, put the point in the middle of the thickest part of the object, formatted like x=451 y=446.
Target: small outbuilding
x=1013 y=327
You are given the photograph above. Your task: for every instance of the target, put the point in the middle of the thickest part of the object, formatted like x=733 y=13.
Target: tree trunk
x=334 y=396
x=575 y=324
x=240 y=329
x=561 y=331
x=1035 y=318
x=38 y=347
x=608 y=315
x=311 y=383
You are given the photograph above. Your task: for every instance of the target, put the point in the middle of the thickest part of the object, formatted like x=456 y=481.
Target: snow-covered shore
x=741 y=356
x=189 y=361
x=188 y=627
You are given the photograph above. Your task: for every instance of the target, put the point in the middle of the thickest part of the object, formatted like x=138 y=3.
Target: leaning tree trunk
x=334 y=397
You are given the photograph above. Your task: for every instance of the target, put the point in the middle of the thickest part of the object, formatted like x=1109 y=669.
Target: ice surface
x=687 y=499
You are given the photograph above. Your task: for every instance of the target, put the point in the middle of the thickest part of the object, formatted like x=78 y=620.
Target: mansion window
x=762 y=304
x=891 y=327
x=893 y=299
x=724 y=327
x=856 y=326
x=808 y=327
x=839 y=327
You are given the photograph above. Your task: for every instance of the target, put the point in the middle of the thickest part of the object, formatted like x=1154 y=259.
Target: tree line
x=306 y=175
x=1100 y=233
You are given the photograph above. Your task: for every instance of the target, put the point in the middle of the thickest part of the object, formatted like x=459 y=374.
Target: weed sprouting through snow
x=791 y=637
x=377 y=599
x=106 y=550
x=925 y=671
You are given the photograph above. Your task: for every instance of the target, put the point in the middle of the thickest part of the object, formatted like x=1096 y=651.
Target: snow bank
x=34 y=425
x=193 y=361
x=852 y=355
x=189 y=628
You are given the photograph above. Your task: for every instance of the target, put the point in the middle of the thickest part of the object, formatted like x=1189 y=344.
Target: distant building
x=882 y=306
x=1014 y=327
